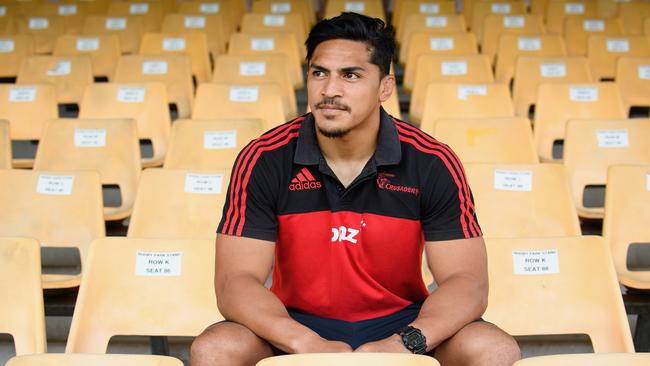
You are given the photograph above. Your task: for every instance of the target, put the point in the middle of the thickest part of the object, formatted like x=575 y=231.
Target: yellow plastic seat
x=523 y=200
x=175 y=71
x=489 y=140
x=104 y=51
x=404 y=9
x=453 y=69
x=633 y=79
x=44 y=30
x=109 y=146
x=70 y=75
x=392 y=105
x=603 y=52
x=559 y=102
x=513 y=46
x=79 y=359
x=162 y=288
x=71 y=13
x=304 y=8
x=453 y=100
x=557 y=11
x=193 y=44
x=228 y=11
x=577 y=31
x=495 y=25
x=144 y=102
x=22 y=312
x=60 y=208
x=591 y=146
x=532 y=71
x=481 y=10
x=555 y=286
x=588 y=359
x=371 y=8
x=632 y=16
x=434 y=24
x=262 y=101
x=150 y=12
x=5 y=145
x=646 y=25
x=277 y=23
x=349 y=359
x=211 y=25
x=13 y=50
x=128 y=28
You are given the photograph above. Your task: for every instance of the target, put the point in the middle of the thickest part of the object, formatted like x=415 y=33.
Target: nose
x=332 y=87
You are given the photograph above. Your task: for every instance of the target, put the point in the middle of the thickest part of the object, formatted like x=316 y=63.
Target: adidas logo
x=303 y=181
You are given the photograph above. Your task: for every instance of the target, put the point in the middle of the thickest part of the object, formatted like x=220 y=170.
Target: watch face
x=413 y=338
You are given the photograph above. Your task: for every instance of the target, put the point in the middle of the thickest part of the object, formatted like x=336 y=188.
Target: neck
x=357 y=145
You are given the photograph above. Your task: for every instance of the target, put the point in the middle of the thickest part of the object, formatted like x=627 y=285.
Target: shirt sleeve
x=448 y=211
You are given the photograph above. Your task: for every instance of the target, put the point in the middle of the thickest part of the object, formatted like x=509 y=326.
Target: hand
x=392 y=344
x=321 y=345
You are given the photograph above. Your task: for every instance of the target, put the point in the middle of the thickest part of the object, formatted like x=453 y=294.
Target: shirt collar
x=388 y=151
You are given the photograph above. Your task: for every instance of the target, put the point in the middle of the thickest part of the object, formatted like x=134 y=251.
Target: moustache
x=332 y=103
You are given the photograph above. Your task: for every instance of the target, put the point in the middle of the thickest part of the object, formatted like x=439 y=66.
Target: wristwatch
x=413 y=339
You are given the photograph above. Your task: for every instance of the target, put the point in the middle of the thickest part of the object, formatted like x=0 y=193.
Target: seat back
x=592 y=359
x=512 y=46
x=349 y=359
x=209 y=144
x=70 y=75
x=211 y=25
x=150 y=12
x=494 y=25
x=229 y=12
x=403 y=10
x=304 y=8
x=371 y=8
x=557 y=11
x=578 y=29
x=5 y=145
x=277 y=23
x=13 y=50
x=52 y=359
x=633 y=79
x=43 y=29
x=161 y=287
x=193 y=44
x=604 y=51
x=482 y=9
x=422 y=23
x=104 y=51
x=72 y=14
x=549 y=286
x=22 y=312
x=632 y=16
x=128 y=28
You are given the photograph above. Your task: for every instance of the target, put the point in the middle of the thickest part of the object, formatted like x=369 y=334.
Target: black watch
x=413 y=339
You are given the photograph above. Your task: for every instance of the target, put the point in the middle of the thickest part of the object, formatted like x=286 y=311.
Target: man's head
x=349 y=72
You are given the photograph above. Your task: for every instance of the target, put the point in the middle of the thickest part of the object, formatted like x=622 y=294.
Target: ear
x=386 y=86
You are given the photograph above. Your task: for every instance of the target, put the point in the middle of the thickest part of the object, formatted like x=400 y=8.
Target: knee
x=219 y=342
x=492 y=347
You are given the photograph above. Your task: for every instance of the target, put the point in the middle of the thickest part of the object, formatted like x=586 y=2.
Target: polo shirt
x=349 y=253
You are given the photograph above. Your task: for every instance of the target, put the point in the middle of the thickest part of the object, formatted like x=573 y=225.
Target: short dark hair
x=378 y=36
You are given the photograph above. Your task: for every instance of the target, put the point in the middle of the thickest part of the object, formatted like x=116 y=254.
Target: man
x=342 y=202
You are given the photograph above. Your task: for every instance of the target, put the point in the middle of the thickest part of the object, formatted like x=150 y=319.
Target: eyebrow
x=343 y=69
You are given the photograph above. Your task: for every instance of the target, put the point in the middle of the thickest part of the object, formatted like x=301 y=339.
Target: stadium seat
x=349 y=359
x=392 y=104
x=161 y=287
x=494 y=25
x=103 y=50
x=211 y=25
x=144 y=102
x=627 y=198
x=513 y=46
x=21 y=307
x=588 y=359
x=591 y=146
x=128 y=28
x=255 y=70
x=13 y=50
x=371 y=8
x=304 y=8
x=557 y=11
x=633 y=79
x=72 y=14
x=178 y=204
x=228 y=12
x=151 y=13
x=109 y=146
x=28 y=108
x=44 y=30
x=469 y=69
x=523 y=200
x=646 y=25
x=5 y=145
x=70 y=75
x=433 y=24
x=175 y=71
x=632 y=15
x=277 y=23
x=262 y=101
x=559 y=102
x=404 y=9
x=454 y=100
x=482 y=9
x=58 y=359
x=557 y=286
x=489 y=140
x=60 y=208
x=193 y=44
x=532 y=71
x=7 y=14
x=604 y=51
x=577 y=31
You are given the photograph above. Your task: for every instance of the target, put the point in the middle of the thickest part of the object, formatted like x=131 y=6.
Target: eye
x=318 y=73
x=350 y=76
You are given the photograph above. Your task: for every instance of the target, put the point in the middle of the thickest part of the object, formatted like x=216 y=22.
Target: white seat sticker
x=513 y=180
x=529 y=44
x=464 y=91
x=39 y=23
x=220 y=139
x=429 y=8
x=194 y=22
x=280 y=8
x=613 y=138
x=501 y=8
x=644 y=72
x=552 y=70
x=593 y=25
x=130 y=94
x=574 y=8
x=67 y=10
x=56 y=185
x=90 y=137
x=173 y=44
x=647 y=181
x=618 y=45
x=3 y=11
x=87 y=44
x=116 y=23
x=7 y=45
x=454 y=68
x=139 y=8
x=244 y=93
x=154 y=67
x=536 y=262
x=209 y=8
x=22 y=94
x=436 y=22
x=355 y=6
x=158 y=264
x=203 y=183
x=274 y=20
x=514 y=21
x=583 y=94
x=252 y=68
x=441 y=44
x=262 y=44
x=60 y=68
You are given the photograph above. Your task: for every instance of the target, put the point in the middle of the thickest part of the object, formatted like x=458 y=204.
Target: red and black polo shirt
x=348 y=253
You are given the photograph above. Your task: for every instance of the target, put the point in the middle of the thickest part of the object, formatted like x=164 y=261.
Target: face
x=344 y=89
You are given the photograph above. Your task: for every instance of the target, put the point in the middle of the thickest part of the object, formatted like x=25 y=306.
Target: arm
x=242 y=266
